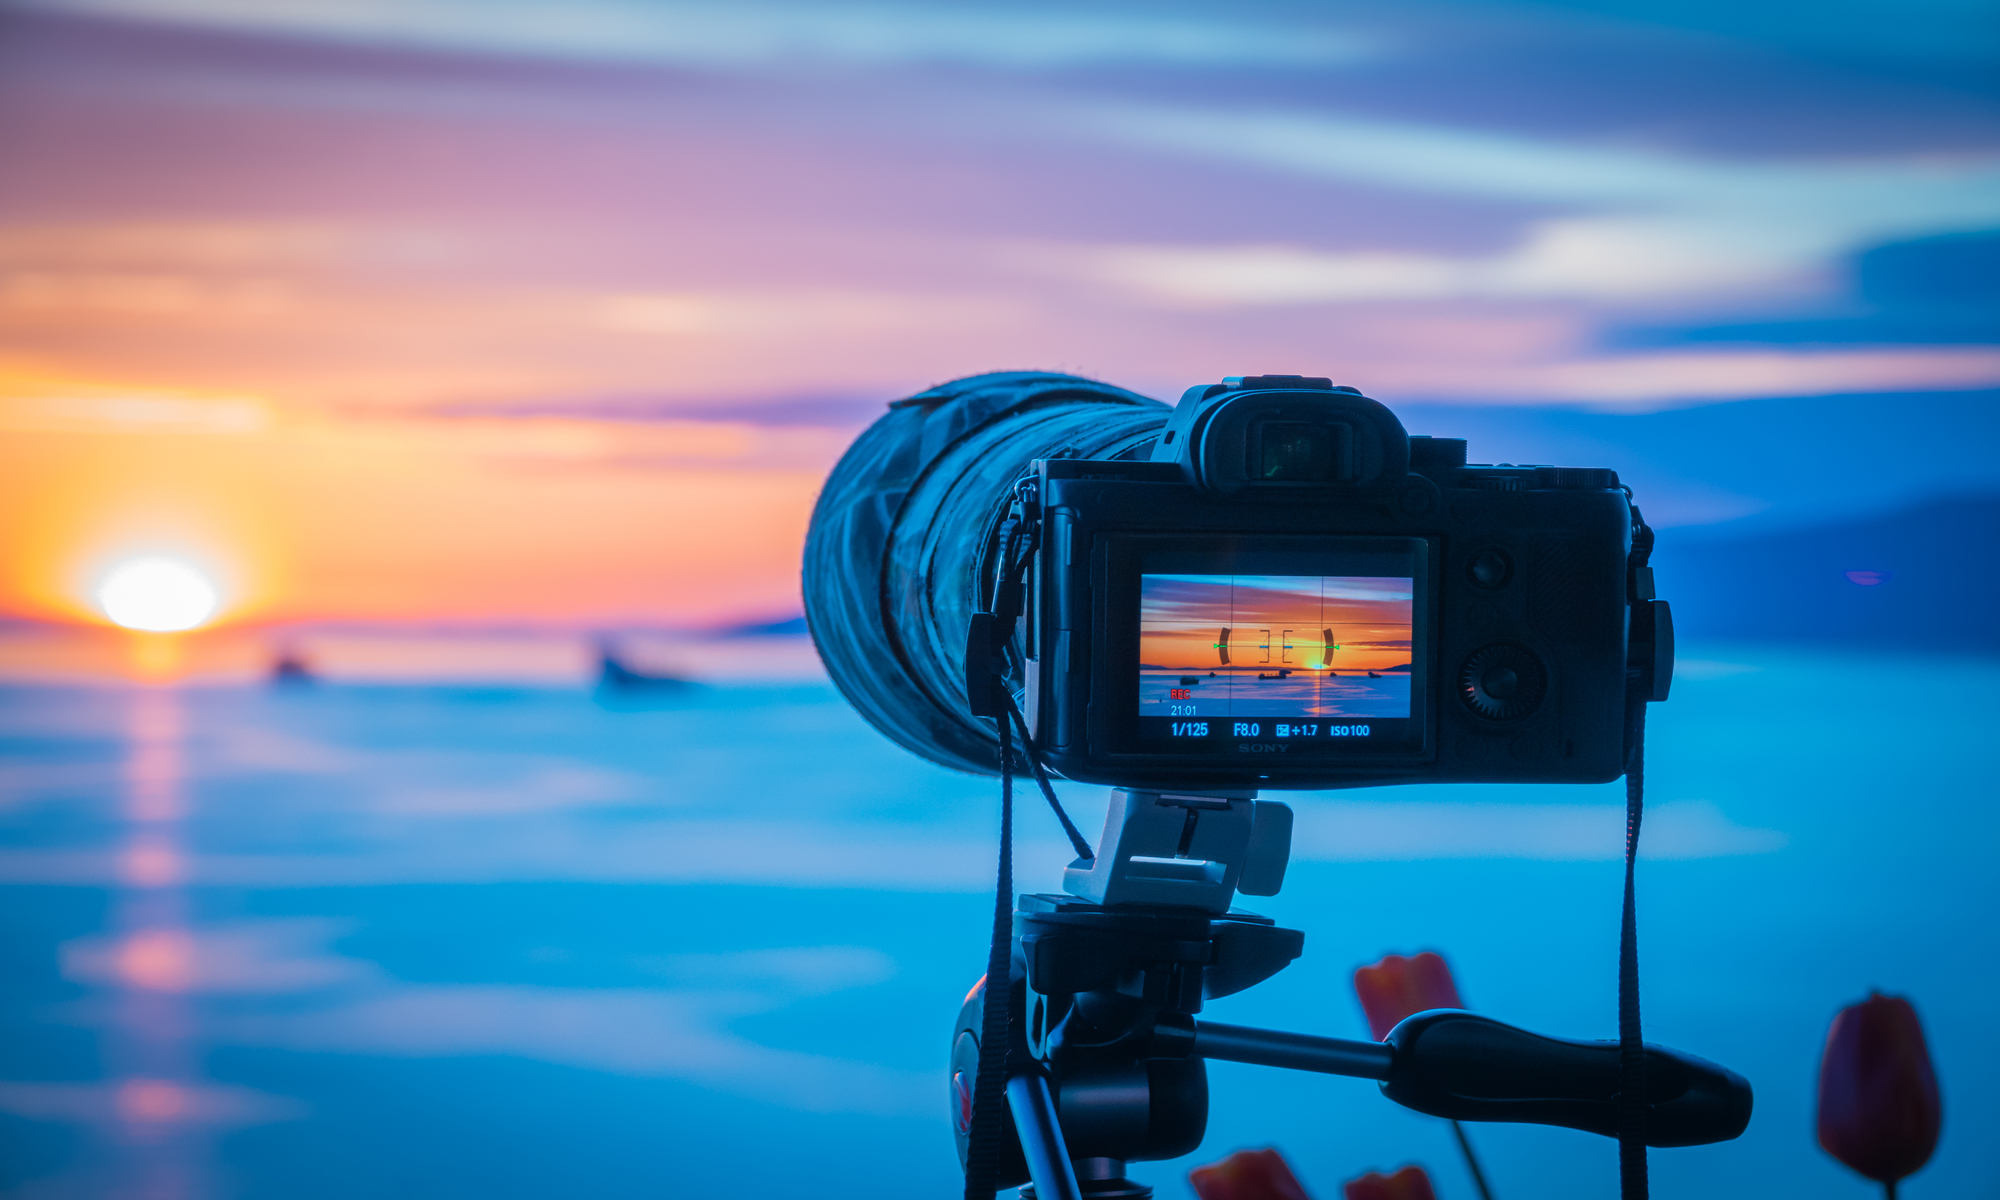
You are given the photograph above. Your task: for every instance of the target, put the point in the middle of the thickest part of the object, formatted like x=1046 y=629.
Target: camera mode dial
x=1502 y=682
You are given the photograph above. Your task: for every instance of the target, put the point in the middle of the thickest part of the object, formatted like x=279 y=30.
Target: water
x=422 y=941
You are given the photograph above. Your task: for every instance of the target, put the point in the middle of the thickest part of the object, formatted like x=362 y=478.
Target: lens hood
x=901 y=548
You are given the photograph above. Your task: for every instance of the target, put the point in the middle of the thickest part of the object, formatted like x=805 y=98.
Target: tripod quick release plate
x=1185 y=851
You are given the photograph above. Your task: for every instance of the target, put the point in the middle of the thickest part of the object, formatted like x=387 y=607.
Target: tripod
x=1106 y=1061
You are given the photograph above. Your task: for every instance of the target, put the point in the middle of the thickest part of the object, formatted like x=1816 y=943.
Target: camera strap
x=1034 y=757
x=987 y=638
x=1632 y=1101
x=989 y=1087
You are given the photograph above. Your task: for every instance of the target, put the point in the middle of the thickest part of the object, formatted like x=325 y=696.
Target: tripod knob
x=1471 y=1068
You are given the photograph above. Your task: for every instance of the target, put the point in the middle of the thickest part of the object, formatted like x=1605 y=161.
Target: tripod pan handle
x=1455 y=1064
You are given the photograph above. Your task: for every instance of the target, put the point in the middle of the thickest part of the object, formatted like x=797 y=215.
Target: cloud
x=678 y=1031
x=830 y=409
x=1609 y=259
x=800 y=971
x=1436 y=158
x=762 y=314
x=207 y=245
x=554 y=786
x=898 y=857
x=1650 y=382
x=786 y=854
x=1653 y=224
x=633 y=1031
x=1398 y=831
x=429 y=783
x=1637 y=382
x=132 y=412
x=151 y=295
x=1706 y=669
x=750 y=34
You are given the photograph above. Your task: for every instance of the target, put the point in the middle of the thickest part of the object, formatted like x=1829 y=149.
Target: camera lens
x=902 y=548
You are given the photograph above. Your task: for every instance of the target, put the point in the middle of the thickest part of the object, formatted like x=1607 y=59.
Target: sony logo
x=1261 y=747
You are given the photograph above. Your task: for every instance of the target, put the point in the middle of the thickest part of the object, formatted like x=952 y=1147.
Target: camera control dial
x=1502 y=682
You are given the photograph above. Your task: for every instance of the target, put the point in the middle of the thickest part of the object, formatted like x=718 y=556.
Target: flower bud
x=1878 y=1098
x=1396 y=987
x=1410 y=1183
x=1248 y=1175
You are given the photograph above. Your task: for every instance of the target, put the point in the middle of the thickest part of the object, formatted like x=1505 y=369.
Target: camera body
x=1295 y=593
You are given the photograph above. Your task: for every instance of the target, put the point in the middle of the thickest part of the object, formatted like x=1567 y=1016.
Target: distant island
x=787 y=626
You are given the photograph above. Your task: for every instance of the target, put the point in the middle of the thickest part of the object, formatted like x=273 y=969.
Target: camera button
x=1490 y=568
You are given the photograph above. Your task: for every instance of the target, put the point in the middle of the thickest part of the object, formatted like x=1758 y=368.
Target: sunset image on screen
x=1274 y=645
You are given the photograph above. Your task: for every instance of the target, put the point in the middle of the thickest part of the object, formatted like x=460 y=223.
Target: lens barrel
x=902 y=546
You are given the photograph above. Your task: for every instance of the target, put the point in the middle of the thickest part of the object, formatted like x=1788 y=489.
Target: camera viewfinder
x=1301 y=452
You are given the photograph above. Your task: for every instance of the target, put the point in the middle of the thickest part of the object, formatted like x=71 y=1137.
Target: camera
x=1271 y=585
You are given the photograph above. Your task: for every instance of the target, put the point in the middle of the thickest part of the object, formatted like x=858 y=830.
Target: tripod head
x=1181 y=850
x=1106 y=1062
x=1106 y=981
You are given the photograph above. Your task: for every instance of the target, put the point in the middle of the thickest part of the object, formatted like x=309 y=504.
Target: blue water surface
x=418 y=942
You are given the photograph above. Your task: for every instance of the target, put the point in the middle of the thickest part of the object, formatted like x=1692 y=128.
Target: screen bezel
x=1114 y=721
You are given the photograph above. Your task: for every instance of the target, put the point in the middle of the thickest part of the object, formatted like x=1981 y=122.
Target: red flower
x=1248 y=1175
x=1878 y=1099
x=1410 y=1183
x=1396 y=987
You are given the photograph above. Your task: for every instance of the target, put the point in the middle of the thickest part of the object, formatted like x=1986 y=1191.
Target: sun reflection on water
x=149 y=1048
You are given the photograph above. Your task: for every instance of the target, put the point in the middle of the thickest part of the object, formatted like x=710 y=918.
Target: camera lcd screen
x=1294 y=658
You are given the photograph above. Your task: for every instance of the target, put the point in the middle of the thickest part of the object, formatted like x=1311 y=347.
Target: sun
x=161 y=595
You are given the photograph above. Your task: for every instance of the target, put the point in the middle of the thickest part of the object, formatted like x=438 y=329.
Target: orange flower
x=1878 y=1099
x=1249 y=1175
x=1396 y=987
x=1410 y=1183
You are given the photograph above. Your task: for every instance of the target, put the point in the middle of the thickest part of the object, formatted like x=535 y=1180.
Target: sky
x=557 y=314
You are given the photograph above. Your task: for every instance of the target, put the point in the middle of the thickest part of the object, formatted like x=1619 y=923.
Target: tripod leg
x=1041 y=1138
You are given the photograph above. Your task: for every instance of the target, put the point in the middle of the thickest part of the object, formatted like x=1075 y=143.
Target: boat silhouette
x=621 y=684
x=289 y=668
